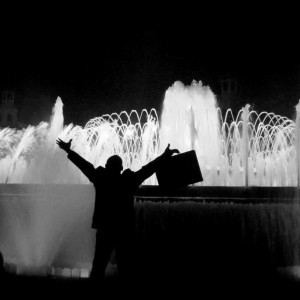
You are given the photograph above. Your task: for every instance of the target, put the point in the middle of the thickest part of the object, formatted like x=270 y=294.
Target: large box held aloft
x=180 y=170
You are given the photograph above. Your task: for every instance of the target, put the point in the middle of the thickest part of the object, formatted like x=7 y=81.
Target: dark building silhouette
x=8 y=110
x=275 y=94
x=229 y=93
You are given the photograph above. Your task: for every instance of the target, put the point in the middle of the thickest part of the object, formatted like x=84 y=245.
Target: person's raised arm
x=86 y=167
x=149 y=169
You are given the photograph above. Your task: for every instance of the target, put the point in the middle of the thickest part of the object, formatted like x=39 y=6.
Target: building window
x=7 y=97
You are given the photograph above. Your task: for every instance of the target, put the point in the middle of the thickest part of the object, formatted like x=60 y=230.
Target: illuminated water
x=244 y=150
x=248 y=149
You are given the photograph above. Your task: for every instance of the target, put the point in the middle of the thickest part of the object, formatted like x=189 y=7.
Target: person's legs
x=125 y=257
x=103 y=250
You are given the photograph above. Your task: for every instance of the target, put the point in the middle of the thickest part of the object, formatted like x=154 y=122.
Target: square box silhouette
x=179 y=171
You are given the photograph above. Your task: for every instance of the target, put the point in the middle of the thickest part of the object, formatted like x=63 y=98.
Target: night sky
x=112 y=60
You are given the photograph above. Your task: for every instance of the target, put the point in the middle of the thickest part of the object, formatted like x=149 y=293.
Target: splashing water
x=249 y=149
x=32 y=156
x=244 y=150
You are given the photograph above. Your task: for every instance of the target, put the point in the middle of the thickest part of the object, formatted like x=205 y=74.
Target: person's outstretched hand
x=63 y=145
x=169 y=152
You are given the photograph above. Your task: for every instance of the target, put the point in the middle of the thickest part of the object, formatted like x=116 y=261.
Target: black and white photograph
x=150 y=151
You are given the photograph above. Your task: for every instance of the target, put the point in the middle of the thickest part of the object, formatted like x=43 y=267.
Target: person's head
x=114 y=164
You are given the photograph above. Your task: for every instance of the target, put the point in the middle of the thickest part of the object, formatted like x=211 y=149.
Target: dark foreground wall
x=204 y=231
x=216 y=238
x=217 y=231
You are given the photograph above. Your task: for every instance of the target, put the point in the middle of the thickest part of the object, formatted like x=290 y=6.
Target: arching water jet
x=38 y=223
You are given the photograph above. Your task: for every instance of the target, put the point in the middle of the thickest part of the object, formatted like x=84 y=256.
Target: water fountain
x=46 y=203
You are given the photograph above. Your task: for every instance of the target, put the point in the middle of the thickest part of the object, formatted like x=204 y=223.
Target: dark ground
x=189 y=286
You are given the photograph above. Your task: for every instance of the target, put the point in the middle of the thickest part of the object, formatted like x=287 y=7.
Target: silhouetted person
x=114 y=207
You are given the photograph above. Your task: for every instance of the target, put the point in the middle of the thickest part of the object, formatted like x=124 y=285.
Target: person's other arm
x=149 y=169
x=86 y=167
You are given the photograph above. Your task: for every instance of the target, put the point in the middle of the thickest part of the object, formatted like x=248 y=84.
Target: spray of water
x=248 y=149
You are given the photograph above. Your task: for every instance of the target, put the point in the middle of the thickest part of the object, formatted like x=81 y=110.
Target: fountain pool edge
x=239 y=194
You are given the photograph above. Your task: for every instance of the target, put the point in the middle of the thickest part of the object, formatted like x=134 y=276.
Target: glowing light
x=250 y=149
